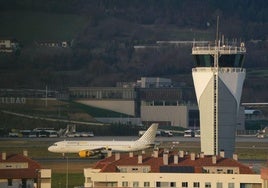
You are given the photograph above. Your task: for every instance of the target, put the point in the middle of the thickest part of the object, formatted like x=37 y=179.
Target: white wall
x=177 y=115
x=178 y=178
x=122 y=106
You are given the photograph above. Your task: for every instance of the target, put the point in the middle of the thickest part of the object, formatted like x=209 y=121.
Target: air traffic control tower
x=218 y=79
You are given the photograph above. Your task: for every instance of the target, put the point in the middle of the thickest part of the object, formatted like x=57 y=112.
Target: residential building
x=172 y=169
x=19 y=171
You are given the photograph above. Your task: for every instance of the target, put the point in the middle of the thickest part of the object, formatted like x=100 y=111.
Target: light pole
x=67 y=171
x=38 y=174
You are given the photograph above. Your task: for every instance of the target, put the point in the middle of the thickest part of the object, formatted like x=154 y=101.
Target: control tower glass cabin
x=218 y=79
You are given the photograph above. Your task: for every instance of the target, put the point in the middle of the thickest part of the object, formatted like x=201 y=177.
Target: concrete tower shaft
x=218 y=80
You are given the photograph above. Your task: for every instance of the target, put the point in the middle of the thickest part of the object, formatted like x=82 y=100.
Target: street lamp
x=67 y=171
x=38 y=176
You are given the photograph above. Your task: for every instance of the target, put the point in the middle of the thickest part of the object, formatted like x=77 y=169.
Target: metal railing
x=221 y=49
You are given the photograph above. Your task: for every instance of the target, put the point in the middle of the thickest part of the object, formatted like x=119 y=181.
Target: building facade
x=19 y=171
x=171 y=169
x=118 y=99
x=148 y=100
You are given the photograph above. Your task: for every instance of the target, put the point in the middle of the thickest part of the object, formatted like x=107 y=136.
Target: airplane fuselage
x=76 y=146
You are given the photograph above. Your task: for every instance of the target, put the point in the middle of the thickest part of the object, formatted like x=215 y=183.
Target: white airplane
x=90 y=148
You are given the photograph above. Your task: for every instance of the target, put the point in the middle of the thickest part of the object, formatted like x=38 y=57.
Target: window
x=88 y=180
x=229 y=171
x=219 y=184
x=184 y=184
x=146 y=184
x=135 y=184
x=158 y=184
x=123 y=170
x=231 y=185
x=205 y=170
x=124 y=184
x=145 y=170
x=247 y=185
x=207 y=184
x=9 y=182
x=111 y=184
x=196 y=184
x=172 y=184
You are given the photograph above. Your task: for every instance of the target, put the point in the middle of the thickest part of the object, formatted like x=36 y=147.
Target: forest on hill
x=103 y=34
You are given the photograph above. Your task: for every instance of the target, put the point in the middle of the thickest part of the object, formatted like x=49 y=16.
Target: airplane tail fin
x=149 y=136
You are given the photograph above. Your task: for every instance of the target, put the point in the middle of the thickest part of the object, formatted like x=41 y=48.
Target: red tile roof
x=30 y=172
x=109 y=164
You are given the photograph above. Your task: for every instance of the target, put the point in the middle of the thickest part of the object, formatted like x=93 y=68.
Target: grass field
x=60 y=172
x=74 y=179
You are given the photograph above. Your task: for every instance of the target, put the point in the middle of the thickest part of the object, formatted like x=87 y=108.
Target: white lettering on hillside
x=12 y=100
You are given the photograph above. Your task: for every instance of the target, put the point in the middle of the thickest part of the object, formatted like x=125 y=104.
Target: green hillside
x=104 y=34
x=28 y=26
x=37 y=113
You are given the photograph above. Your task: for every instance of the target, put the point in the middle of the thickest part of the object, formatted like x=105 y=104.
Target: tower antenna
x=217 y=46
x=217 y=31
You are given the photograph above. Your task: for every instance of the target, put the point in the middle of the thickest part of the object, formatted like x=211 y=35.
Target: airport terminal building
x=145 y=101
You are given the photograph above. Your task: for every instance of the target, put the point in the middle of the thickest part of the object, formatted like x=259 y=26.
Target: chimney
x=155 y=153
x=130 y=154
x=192 y=155
x=117 y=156
x=222 y=153
x=181 y=154
x=4 y=156
x=214 y=159
x=235 y=156
x=176 y=159
x=140 y=159
x=165 y=158
x=25 y=153
x=202 y=155
x=109 y=153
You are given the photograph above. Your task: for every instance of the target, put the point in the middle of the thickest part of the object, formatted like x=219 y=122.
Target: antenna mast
x=217 y=45
x=217 y=31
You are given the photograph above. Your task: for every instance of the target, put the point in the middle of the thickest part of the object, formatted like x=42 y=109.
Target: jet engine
x=86 y=153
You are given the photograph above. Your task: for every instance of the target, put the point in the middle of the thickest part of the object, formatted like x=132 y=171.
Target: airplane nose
x=50 y=148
